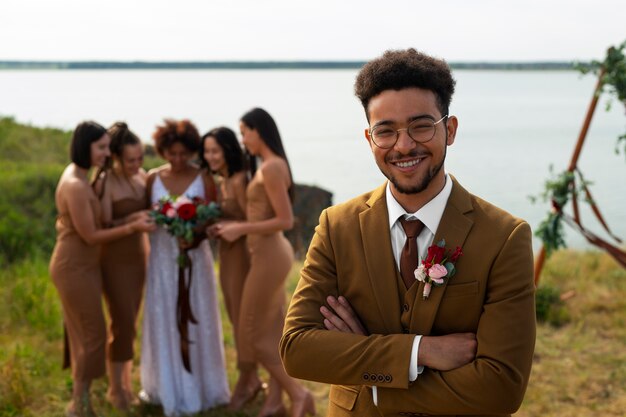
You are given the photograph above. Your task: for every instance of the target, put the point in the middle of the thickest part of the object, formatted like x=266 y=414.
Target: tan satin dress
x=263 y=301
x=234 y=264
x=75 y=271
x=123 y=273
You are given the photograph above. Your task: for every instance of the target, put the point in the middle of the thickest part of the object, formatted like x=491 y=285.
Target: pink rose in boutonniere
x=438 y=265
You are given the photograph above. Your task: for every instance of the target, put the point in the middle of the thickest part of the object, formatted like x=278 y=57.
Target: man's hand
x=448 y=352
x=442 y=353
x=342 y=317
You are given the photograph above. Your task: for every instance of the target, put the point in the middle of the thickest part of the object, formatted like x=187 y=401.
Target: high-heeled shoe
x=279 y=411
x=243 y=396
x=304 y=406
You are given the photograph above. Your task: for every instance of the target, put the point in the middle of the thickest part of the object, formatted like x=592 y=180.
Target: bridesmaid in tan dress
x=268 y=213
x=123 y=191
x=223 y=156
x=75 y=261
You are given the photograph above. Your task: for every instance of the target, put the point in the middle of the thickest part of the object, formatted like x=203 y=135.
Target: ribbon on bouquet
x=184 y=315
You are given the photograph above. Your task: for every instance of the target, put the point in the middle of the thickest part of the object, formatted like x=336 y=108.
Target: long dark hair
x=227 y=140
x=261 y=121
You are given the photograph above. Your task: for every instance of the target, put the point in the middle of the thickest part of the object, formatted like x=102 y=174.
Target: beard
x=423 y=183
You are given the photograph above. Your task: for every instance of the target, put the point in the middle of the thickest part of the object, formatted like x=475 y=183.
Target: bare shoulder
x=157 y=170
x=275 y=168
x=75 y=185
x=73 y=190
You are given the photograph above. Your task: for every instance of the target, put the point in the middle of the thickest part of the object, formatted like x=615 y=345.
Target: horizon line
x=262 y=64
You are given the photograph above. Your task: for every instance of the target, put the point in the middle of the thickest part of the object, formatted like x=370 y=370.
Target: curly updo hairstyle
x=120 y=137
x=173 y=131
x=399 y=69
x=83 y=136
x=227 y=140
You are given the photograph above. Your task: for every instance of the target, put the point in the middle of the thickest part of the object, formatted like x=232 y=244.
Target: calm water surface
x=512 y=125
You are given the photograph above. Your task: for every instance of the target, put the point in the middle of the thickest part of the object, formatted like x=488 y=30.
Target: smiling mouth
x=407 y=164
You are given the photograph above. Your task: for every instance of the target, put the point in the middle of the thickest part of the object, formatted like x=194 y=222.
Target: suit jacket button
x=388 y=378
x=366 y=376
x=405 y=330
x=381 y=378
x=405 y=307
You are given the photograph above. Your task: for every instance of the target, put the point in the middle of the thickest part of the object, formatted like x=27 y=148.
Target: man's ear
x=451 y=126
x=366 y=133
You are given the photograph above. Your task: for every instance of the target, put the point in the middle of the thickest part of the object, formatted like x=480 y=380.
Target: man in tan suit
x=359 y=322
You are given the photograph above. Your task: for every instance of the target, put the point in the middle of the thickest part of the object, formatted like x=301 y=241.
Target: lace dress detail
x=164 y=379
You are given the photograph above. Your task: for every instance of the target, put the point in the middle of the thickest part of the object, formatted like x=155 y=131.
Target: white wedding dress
x=164 y=379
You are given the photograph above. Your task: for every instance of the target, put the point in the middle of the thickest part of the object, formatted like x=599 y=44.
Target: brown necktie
x=408 y=257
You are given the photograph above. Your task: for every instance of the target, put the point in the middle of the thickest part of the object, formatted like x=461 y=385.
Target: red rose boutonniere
x=438 y=265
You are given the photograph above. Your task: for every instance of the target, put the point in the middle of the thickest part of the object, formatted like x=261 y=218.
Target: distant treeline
x=86 y=65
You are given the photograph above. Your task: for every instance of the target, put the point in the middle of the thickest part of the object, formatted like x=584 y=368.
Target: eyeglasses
x=420 y=130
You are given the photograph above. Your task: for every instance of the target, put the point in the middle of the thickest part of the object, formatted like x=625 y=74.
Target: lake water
x=512 y=124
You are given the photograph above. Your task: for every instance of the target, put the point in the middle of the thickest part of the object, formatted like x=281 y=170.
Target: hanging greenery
x=569 y=185
x=559 y=190
x=613 y=81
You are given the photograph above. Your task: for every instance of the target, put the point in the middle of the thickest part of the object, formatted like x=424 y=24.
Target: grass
x=32 y=382
x=579 y=368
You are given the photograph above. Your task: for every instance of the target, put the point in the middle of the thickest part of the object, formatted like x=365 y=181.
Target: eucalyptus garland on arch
x=569 y=184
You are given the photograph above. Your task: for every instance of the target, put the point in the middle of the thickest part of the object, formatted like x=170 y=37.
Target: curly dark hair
x=121 y=136
x=398 y=69
x=173 y=131
x=227 y=140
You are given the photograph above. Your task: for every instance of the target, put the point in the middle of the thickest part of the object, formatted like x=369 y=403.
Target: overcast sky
x=217 y=30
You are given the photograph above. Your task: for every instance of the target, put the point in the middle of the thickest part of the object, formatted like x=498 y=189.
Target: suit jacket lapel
x=379 y=259
x=454 y=228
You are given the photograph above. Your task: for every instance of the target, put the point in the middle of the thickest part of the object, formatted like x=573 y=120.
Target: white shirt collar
x=430 y=214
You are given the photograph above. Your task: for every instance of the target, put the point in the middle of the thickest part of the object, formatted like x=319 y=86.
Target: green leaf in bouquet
x=177 y=228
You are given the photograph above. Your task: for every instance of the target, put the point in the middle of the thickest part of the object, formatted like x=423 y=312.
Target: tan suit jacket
x=492 y=295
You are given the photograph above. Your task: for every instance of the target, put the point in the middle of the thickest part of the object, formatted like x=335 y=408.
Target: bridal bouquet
x=182 y=216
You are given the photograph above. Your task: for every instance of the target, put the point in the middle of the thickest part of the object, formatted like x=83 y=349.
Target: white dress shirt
x=430 y=214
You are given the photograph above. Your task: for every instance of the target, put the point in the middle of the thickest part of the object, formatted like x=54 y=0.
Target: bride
x=164 y=378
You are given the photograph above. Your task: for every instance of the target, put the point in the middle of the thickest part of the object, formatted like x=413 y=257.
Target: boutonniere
x=438 y=265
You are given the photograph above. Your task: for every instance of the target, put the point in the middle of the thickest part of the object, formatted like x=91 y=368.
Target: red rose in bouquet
x=183 y=216
x=187 y=211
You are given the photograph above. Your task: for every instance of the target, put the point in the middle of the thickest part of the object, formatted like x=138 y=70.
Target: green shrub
x=27 y=211
x=25 y=143
x=549 y=307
